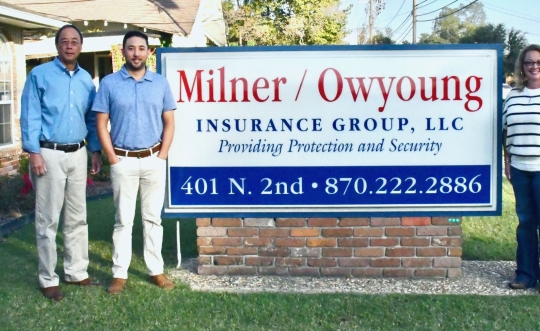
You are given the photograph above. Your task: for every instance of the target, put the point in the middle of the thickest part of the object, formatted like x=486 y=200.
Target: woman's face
x=531 y=68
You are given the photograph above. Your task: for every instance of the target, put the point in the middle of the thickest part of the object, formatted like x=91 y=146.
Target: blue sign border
x=496 y=47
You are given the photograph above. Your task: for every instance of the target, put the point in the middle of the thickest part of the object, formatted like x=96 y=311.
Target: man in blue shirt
x=56 y=125
x=139 y=105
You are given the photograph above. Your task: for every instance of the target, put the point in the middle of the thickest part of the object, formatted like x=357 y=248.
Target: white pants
x=61 y=191
x=127 y=176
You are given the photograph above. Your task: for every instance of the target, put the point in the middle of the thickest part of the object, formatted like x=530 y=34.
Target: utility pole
x=370 y=22
x=414 y=22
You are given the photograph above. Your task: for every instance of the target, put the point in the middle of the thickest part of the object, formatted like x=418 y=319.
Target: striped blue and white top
x=521 y=120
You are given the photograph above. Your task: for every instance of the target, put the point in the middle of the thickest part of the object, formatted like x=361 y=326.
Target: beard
x=131 y=67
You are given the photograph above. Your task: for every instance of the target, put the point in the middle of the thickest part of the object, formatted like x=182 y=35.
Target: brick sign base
x=423 y=247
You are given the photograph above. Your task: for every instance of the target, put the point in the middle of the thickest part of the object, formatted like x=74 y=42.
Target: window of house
x=6 y=92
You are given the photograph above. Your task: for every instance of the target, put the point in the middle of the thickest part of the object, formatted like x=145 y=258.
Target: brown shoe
x=84 y=282
x=162 y=281
x=117 y=285
x=515 y=285
x=53 y=292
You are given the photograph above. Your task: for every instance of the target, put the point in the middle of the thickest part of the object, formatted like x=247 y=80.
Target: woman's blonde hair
x=519 y=75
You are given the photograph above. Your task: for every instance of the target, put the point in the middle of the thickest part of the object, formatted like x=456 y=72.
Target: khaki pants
x=61 y=191
x=128 y=176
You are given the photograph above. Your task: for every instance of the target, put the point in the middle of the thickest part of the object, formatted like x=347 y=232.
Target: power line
x=395 y=15
x=421 y=2
x=437 y=9
x=355 y=11
x=358 y=27
x=507 y=13
x=404 y=35
x=452 y=13
x=427 y=4
x=512 y=11
x=405 y=32
x=401 y=14
x=399 y=27
x=365 y=18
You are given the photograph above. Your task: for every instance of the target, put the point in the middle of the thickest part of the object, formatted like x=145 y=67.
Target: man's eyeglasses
x=531 y=63
x=75 y=43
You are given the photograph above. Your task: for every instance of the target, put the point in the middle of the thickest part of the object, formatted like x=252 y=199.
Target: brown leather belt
x=140 y=153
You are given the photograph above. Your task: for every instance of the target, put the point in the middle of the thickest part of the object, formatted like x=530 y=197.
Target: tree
x=449 y=27
x=432 y=39
x=486 y=34
x=362 y=35
x=380 y=39
x=454 y=23
x=515 y=43
x=285 y=22
x=472 y=16
x=372 y=10
x=513 y=40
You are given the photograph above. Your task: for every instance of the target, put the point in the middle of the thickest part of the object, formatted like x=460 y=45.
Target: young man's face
x=136 y=52
x=69 y=46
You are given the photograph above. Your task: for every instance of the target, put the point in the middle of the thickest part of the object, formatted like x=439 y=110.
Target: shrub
x=24 y=165
x=16 y=191
x=12 y=196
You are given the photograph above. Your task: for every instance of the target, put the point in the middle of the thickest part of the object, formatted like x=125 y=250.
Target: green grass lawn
x=145 y=307
x=492 y=238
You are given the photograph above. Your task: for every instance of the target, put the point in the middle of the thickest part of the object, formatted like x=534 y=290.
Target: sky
x=523 y=15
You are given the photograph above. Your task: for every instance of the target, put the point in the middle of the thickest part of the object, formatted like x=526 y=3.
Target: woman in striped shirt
x=521 y=139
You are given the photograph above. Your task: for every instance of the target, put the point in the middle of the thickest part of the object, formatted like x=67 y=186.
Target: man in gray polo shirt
x=139 y=104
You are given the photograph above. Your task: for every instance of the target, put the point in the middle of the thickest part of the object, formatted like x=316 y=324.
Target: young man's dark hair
x=135 y=33
x=66 y=27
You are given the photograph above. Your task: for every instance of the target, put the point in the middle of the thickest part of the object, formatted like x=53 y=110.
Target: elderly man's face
x=69 y=46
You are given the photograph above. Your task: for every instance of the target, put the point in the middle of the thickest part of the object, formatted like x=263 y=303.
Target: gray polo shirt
x=134 y=107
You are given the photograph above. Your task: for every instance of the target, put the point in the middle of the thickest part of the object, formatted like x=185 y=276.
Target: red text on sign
x=237 y=89
x=405 y=88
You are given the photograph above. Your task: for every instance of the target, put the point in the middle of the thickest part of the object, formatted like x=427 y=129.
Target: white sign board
x=341 y=131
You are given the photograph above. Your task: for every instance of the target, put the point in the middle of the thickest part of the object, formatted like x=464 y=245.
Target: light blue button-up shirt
x=135 y=108
x=55 y=107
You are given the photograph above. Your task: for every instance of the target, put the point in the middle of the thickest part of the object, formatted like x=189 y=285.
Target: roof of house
x=16 y=16
x=172 y=16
